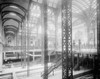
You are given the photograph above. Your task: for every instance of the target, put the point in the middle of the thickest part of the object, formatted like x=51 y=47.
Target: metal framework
x=67 y=66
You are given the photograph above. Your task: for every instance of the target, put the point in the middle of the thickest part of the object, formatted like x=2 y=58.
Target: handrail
x=58 y=63
x=6 y=75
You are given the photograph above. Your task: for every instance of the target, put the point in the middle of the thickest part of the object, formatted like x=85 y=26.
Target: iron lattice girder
x=67 y=71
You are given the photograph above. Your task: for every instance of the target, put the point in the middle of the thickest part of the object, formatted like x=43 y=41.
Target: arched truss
x=85 y=10
x=11 y=8
x=6 y=15
x=51 y=3
x=35 y=15
x=5 y=4
x=11 y=11
x=79 y=7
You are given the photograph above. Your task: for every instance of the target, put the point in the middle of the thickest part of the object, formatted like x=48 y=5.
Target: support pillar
x=45 y=25
x=1 y=60
x=42 y=37
x=67 y=64
x=97 y=58
x=56 y=31
x=1 y=45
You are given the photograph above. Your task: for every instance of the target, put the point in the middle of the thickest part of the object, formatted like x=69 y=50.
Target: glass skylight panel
x=77 y=22
x=78 y=6
x=35 y=11
x=82 y=7
x=51 y=15
x=75 y=9
x=74 y=19
x=53 y=3
x=94 y=4
x=14 y=6
x=49 y=11
x=40 y=1
x=35 y=0
x=59 y=18
x=50 y=4
x=13 y=14
x=40 y=30
x=35 y=14
x=82 y=4
x=51 y=26
x=87 y=1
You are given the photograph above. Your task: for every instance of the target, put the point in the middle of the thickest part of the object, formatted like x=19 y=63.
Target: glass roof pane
x=78 y=6
x=35 y=11
x=84 y=9
x=83 y=4
x=40 y=1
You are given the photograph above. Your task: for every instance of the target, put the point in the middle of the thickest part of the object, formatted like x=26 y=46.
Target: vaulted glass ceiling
x=82 y=11
x=80 y=5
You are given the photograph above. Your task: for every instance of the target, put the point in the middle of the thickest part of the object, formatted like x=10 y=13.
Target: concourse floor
x=35 y=72
x=37 y=75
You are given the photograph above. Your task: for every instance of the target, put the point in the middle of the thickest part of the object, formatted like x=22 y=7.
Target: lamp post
x=73 y=45
x=73 y=53
x=78 y=59
x=79 y=42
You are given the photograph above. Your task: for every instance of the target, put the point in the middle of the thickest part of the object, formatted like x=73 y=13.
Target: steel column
x=21 y=43
x=28 y=37
x=97 y=60
x=98 y=27
x=44 y=8
x=67 y=65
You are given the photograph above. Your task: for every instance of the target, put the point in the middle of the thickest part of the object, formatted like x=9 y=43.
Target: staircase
x=77 y=66
x=58 y=62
